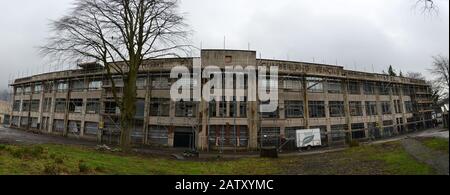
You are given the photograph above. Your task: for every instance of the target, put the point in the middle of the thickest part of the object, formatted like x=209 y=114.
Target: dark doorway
x=183 y=140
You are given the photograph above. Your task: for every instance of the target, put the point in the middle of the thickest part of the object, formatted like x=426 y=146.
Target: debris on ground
x=191 y=154
x=178 y=157
x=103 y=148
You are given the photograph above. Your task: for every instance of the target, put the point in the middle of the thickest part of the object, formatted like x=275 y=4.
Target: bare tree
x=427 y=6
x=415 y=75
x=121 y=35
x=440 y=70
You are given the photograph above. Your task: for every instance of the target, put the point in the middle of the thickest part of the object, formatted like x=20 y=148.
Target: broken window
x=336 y=109
x=160 y=107
x=76 y=105
x=186 y=109
x=294 y=109
x=74 y=127
x=356 y=108
x=315 y=85
x=371 y=108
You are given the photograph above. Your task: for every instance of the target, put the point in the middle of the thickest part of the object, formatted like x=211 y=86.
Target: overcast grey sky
x=354 y=33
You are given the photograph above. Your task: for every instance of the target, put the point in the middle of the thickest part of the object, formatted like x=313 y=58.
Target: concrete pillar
x=305 y=102
x=148 y=95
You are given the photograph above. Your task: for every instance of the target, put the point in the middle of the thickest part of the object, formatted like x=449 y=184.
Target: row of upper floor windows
x=313 y=85
x=161 y=107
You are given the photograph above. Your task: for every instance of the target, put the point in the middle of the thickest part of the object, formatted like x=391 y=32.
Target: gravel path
x=14 y=136
x=436 y=159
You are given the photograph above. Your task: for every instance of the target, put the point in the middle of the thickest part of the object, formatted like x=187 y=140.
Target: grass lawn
x=439 y=144
x=58 y=159
x=385 y=159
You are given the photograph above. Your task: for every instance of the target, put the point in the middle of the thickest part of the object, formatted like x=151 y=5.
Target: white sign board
x=308 y=137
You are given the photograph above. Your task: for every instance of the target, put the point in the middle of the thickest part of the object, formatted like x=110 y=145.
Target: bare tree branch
x=120 y=34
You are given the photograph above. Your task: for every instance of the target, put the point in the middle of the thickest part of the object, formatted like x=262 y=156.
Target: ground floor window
x=137 y=132
x=15 y=121
x=228 y=136
x=338 y=132
x=90 y=128
x=45 y=123
x=269 y=136
x=24 y=121
x=58 y=126
x=34 y=123
x=158 y=135
x=75 y=127
x=358 y=131
x=388 y=128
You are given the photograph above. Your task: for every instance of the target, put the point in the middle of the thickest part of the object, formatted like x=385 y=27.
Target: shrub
x=29 y=152
x=59 y=160
x=100 y=169
x=83 y=167
x=55 y=169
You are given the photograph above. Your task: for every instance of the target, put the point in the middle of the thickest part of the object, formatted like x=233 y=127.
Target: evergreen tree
x=391 y=71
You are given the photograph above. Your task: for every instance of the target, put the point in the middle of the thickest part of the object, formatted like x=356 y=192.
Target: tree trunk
x=128 y=110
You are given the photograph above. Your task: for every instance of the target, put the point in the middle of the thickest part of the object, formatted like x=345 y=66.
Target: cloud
x=349 y=32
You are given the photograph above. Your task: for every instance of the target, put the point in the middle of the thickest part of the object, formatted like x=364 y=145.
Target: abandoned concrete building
x=343 y=104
